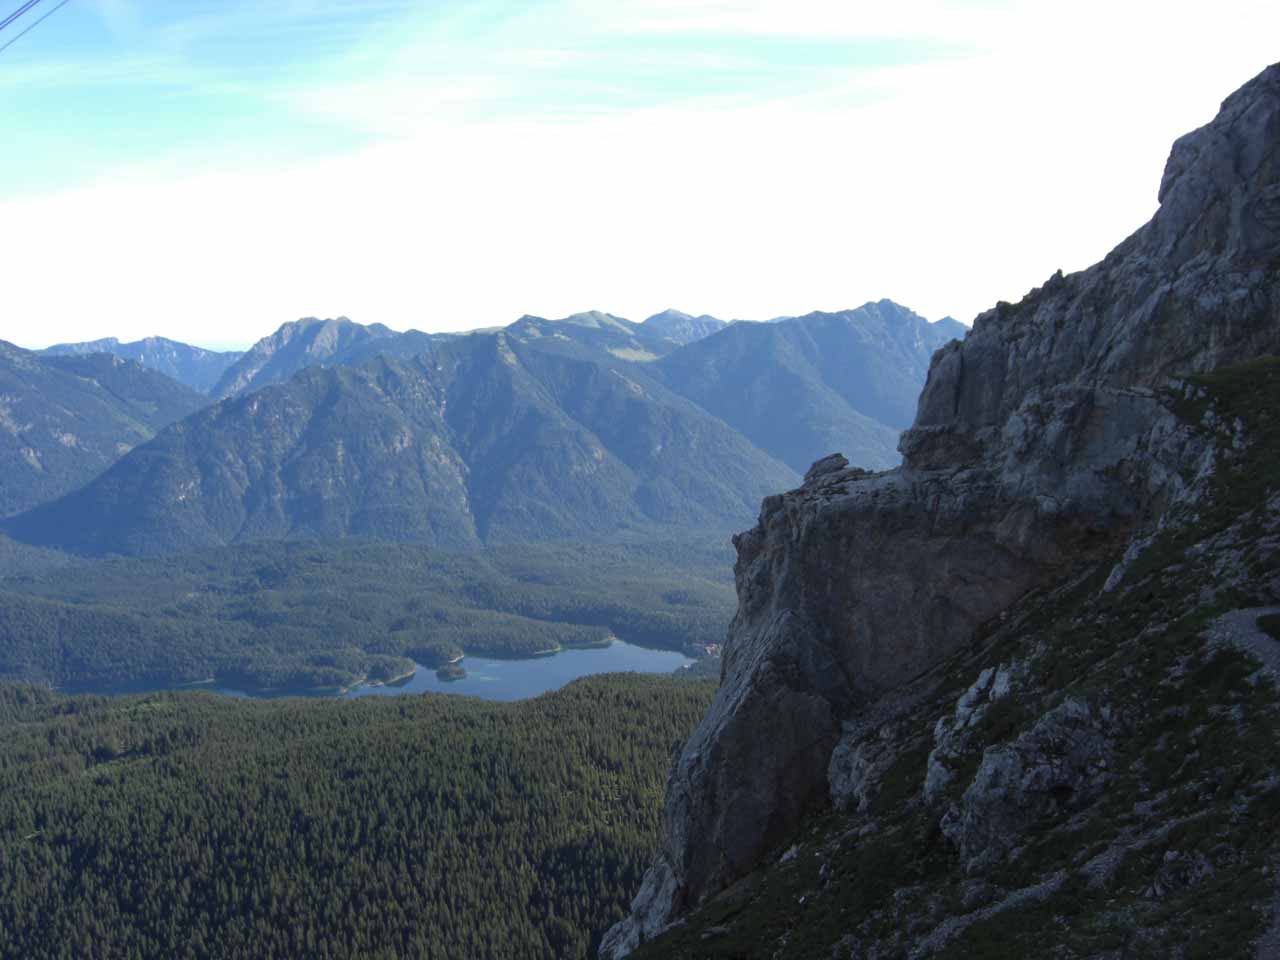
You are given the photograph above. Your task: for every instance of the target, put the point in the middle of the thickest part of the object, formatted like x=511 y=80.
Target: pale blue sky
x=112 y=84
x=208 y=170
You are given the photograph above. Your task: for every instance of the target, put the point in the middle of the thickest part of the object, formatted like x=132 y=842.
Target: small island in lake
x=451 y=671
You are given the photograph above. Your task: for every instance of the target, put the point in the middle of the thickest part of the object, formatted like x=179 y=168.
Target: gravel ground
x=1240 y=629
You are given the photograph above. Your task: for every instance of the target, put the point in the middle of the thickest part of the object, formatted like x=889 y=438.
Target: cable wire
x=6 y=46
x=17 y=13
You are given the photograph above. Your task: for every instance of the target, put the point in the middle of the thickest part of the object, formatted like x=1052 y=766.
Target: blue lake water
x=495 y=679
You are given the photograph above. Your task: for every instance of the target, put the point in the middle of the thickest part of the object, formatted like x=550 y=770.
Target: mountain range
x=546 y=429
x=484 y=439
x=313 y=342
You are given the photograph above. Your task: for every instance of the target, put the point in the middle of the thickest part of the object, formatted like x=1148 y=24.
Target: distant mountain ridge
x=195 y=367
x=545 y=429
x=341 y=341
x=483 y=439
x=682 y=328
x=798 y=387
x=64 y=419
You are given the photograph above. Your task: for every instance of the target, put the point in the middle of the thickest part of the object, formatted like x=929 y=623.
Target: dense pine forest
x=188 y=825
x=319 y=614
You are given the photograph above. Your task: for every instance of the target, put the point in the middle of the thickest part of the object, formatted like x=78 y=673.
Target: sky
x=207 y=170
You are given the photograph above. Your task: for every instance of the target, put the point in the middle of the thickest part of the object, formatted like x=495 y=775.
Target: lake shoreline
x=487 y=677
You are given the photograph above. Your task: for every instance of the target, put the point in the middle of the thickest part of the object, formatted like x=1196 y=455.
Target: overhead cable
x=33 y=25
x=17 y=13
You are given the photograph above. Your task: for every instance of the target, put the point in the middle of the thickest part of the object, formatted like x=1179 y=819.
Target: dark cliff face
x=1046 y=438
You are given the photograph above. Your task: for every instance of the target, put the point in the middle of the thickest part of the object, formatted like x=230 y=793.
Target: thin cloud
x=122 y=17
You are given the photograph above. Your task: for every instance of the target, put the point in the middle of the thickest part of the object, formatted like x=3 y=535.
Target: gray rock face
x=858 y=767
x=1043 y=438
x=648 y=912
x=954 y=736
x=1059 y=763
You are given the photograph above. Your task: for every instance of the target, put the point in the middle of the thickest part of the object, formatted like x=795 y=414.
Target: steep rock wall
x=1042 y=438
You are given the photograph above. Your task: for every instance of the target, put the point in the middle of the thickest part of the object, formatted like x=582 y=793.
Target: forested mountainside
x=189 y=826
x=19 y=559
x=482 y=440
x=804 y=386
x=64 y=419
x=1017 y=698
x=196 y=367
x=299 y=616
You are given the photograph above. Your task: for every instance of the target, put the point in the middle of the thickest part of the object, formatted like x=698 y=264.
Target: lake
x=495 y=679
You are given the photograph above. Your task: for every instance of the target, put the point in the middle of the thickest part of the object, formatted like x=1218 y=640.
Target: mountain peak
x=670 y=313
x=300 y=343
x=681 y=327
x=1218 y=161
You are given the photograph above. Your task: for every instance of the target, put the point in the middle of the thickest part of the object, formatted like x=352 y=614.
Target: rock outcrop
x=1045 y=438
x=1060 y=762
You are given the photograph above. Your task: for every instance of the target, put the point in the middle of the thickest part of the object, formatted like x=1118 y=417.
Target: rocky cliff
x=1053 y=446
